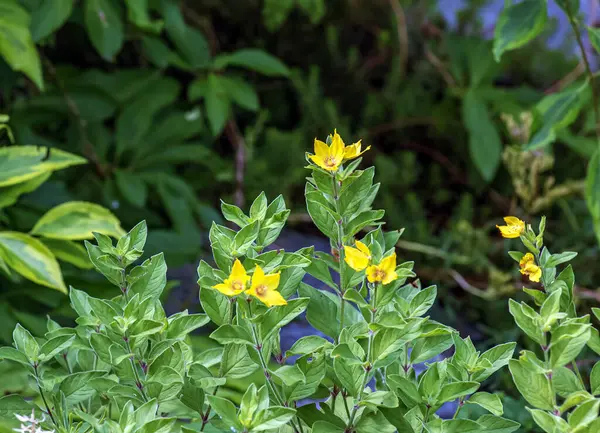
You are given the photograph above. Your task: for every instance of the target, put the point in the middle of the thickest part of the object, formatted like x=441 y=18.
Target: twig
x=440 y=67
x=239 y=144
x=88 y=148
x=402 y=33
x=588 y=69
x=567 y=79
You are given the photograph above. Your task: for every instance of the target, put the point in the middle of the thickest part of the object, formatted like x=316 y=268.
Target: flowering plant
x=128 y=367
x=553 y=385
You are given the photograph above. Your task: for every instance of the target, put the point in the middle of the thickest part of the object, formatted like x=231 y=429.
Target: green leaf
x=322 y=215
x=362 y=220
x=218 y=104
x=594 y=35
x=226 y=410
x=234 y=214
x=595 y=379
x=78 y=382
x=528 y=320
x=31 y=259
x=104 y=27
x=534 y=387
x=25 y=343
x=548 y=422
x=48 y=17
x=226 y=334
x=485 y=145
x=22 y=163
x=16 y=43
x=216 y=305
x=584 y=414
x=592 y=190
x=567 y=342
x=380 y=399
x=451 y=391
x=320 y=311
x=150 y=278
x=272 y=418
x=76 y=220
x=241 y=93
x=313 y=368
x=189 y=41
x=498 y=356
x=557 y=111
x=10 y=194
x=54 y=346
x=374 y=423
x=490 y=402
x=181 y=326
x=307 y=345
x=496 y=424
x=276 y=318
x=557 y=259
x=13 y=354
x=138 y=13
x=350 y=375
x=326 y=427
x=236 y=362
x=518 y=24
x=565 y=382
x=406 y=390
x=253 y=59
x=11 y=405
x=244 y=239
x=70 y=252
x=460 y=426
x=133 y=188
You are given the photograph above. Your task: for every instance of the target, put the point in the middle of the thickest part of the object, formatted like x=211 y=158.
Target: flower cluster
x=30 y=424
x=515 y=228
x=360 y=258
x=263 y=286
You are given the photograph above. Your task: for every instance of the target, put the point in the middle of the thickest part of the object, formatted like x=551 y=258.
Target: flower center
x=330 y=161
x=379 y=274
x=261 y=290
x=237 y=286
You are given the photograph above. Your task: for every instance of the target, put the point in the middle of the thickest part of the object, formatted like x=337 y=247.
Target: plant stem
x=206 y=415
x=37 y=380
x=138 y=381
x=578 y=373
x=280 y=400
x=368 y=368
x=588 y=69
x=340 y=247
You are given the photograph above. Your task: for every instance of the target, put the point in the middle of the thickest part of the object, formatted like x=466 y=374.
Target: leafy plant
x=553 y=385
x=126 y=366
x=29 y=259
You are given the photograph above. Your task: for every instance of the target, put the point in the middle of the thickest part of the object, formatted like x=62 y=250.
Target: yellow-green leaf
x=10 y=194
x=70 y=252
x=22 y=163
x=16 y=43
x=32 y=259
x=76 y=220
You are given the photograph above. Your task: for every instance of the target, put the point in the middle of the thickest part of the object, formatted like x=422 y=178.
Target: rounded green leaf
x=77 y=220
x=518 y=24
x=48 y=17
x=254 y=59
x=32 y=259
x=22 y=163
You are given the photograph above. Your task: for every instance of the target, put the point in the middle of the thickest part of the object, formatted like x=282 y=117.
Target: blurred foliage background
x=178 y=104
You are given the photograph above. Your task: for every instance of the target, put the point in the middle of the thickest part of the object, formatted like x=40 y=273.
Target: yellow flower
x=352 y=151
x=357 y=258
x=264 y=287
x=529 y=268
x=236 y=283
x=513 y=228
x=329 y=157
x=384 y=272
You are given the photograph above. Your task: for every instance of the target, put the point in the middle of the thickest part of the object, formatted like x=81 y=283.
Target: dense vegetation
x=116 y=112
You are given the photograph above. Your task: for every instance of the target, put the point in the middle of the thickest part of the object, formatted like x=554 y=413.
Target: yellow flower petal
x=373 y=274
x=385 y=272
x=389 y=263
x=238 y=272
x=527 y=258
x=354 y=150
x=321 y=149
x=272 y=298
x=337 y=148
x=513 y=229
x=225 y=289
x=362 y=247
x=535 y=273
x=356 y=258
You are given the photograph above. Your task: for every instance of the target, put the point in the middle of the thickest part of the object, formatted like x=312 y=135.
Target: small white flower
x=31 y=424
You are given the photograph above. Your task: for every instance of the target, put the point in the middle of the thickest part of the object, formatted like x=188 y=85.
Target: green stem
x=138 y=381
x=369 y=364
x=588 y=69
x=206 y=415
x=37 y=380
x=461 y=402
x=258 y=347
x=340 y=247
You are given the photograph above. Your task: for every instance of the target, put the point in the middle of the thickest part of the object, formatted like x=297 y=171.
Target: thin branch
x=239 y=145
x=402 y=33
x=567 y=79
x=88 y=149
x=440 y=67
